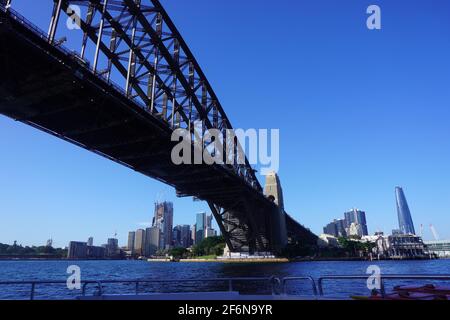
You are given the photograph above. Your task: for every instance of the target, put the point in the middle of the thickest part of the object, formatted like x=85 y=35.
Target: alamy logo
x=74 y=20
x=214 y=146
x=74 y=280
x=374 y=280
x=374 y=20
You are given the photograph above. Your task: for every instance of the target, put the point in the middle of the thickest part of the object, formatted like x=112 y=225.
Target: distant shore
x=47 y=258
x=205 y=260
x=243 y=260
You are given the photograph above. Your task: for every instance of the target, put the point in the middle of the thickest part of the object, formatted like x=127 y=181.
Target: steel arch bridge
x=131 y=83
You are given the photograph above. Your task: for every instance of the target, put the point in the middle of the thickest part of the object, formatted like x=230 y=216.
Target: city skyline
x=337 y=148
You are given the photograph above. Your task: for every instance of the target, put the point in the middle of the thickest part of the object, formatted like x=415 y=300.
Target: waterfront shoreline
x=243 y=260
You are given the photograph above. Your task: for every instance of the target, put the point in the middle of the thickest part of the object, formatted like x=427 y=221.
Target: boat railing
x=272 y=282
x=382 y=278
x=277 y=286
x=284 y=283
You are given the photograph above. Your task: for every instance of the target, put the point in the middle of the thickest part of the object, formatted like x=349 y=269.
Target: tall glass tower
x=405 y=222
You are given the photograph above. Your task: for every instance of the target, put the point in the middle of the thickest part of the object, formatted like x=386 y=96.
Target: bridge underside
x=47 y=88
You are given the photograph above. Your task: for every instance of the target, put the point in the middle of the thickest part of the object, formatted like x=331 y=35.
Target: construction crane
x=434 y=232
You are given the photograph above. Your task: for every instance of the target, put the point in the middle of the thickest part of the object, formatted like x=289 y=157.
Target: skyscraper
x=112 y=247
x=193 y=234
x=131 y=238
x=176 y=236
x=164 y=221
x=152 y=241
x=340 y=225
x=185 y=236
x=331 y=229
x=359 y=218
x=405 y=222
x=139 y=242
x=209 y=219
x=200 y=227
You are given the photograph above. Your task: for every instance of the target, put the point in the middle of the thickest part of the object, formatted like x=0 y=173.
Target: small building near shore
x=400 y=246
x=327 y=240
x=439 y=248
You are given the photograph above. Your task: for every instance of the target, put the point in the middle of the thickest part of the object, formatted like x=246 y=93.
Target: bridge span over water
x=130 y=85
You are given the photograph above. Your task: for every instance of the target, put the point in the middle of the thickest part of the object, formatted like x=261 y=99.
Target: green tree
x=209 y=246
x=178 y=252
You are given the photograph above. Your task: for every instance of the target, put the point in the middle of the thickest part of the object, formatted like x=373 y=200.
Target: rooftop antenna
x=434 y=232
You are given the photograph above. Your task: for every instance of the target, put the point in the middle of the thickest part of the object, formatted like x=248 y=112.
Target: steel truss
x=136 y=43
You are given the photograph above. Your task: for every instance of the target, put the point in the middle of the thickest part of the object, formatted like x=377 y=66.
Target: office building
x=210 y=232
x=139 y=242
x=152 y=241
x=131 y=239
x=200 y=227
x=356 y=229
x=331 y=229
x=405 y=222
x=357 y=217
x=340 y=226
x=112 y=248
x=163 y=220
x=193 y=234
x=336 y=228
x=176 y=236
x=182 y=236
x=185 y=236
x=208 y=223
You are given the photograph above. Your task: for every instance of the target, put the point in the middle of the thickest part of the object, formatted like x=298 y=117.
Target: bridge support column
x=278 y=230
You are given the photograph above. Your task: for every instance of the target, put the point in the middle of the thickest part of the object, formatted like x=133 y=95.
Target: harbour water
x=179 y=272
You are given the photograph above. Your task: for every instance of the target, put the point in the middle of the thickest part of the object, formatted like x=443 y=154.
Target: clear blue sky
x=359 y=112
